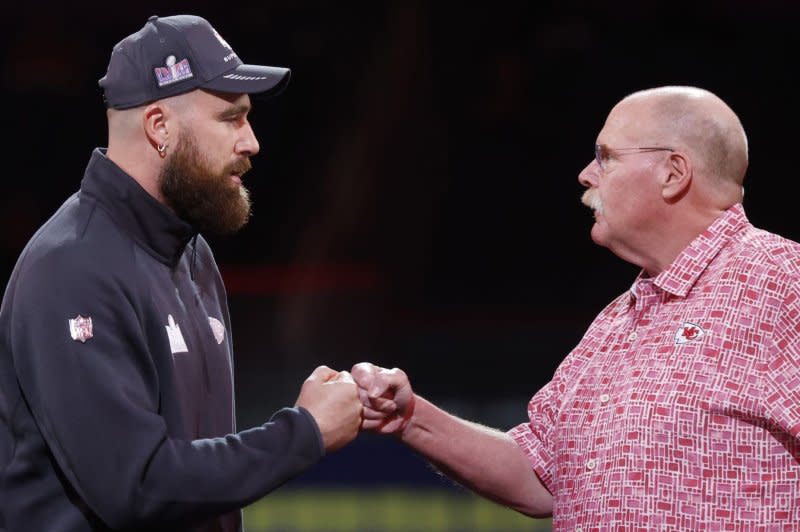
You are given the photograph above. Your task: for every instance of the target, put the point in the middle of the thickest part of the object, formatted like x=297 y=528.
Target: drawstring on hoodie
x=194 y=257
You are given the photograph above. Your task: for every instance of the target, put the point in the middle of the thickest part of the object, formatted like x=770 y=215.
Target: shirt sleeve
x=96 y=404
x=534 y=437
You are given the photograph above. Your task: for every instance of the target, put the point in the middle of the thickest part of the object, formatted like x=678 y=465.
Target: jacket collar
x=149 y=222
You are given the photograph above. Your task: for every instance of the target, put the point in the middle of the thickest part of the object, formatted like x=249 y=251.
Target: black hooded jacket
x=116 y=377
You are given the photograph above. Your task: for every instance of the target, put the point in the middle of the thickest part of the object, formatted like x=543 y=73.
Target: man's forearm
x=480 y=458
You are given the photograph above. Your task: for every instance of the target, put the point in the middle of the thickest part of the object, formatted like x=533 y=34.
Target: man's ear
x=677 y=177
x=154 y=121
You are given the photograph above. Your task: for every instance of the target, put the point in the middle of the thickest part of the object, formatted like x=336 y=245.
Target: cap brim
x=251 y=79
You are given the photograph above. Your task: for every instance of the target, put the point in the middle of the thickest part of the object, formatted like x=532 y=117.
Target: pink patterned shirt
x=680 y=407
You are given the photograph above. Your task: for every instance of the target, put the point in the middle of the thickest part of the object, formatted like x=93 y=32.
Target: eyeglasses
x=602 y=153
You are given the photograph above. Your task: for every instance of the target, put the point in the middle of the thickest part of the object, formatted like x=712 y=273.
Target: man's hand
x=332 y=398
x=386 y=396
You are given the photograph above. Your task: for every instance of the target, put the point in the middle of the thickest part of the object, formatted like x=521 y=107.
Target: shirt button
x=579 y=529
x=632 y=336
x=605 y=398
x=591 y=463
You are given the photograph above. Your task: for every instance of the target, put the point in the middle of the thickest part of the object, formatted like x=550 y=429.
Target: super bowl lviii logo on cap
x=174 y=71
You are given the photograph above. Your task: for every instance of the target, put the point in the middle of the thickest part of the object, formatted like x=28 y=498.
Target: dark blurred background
x=415 y=198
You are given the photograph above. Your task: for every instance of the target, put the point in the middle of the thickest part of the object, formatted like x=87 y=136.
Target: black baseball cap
x=177 y=54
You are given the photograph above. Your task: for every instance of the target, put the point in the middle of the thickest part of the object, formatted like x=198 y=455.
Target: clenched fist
x=332 y=398
x=386 y=396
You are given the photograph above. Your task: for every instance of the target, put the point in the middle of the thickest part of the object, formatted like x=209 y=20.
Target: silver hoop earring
x=162 y=150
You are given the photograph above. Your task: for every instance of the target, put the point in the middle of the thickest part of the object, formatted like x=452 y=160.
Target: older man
x=680 y=407
x=116 y=359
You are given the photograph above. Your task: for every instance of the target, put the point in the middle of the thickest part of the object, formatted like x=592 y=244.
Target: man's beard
x=210 y=202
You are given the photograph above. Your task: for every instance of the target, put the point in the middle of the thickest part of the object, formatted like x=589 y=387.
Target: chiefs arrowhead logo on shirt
x=688 y=332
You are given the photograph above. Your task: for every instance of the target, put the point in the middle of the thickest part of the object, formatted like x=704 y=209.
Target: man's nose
x=588 y=176
x=248 y=143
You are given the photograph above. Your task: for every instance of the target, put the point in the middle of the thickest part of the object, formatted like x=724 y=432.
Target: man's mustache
x=240 y=167
x=591 y=200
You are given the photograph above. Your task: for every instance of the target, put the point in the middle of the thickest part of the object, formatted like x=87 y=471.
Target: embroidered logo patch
x=217 y=328
x=80 y=328
x=173 y=71
x=176 y=342
x=688 y=332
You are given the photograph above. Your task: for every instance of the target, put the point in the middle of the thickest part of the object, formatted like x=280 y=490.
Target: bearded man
x=116 y=360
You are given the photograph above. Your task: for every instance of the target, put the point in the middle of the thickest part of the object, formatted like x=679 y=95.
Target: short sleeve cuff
x=540 y=458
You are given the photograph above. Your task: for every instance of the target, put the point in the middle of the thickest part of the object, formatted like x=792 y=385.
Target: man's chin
x=599 y=235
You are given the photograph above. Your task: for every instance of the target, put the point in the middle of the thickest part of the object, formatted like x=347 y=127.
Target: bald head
x=699 y=122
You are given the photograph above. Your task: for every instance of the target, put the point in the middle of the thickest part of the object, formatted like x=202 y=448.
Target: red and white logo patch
x=80 y=328
x=688 y=332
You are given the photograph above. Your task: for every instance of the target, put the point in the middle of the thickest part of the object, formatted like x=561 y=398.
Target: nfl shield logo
x=80 y=328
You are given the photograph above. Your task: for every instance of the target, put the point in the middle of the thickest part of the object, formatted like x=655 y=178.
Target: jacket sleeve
x=96 y=403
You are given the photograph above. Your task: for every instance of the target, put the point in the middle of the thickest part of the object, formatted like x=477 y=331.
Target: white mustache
x=592 y=200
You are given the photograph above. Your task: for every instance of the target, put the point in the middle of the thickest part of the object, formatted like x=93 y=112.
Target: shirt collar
x=679 y=278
